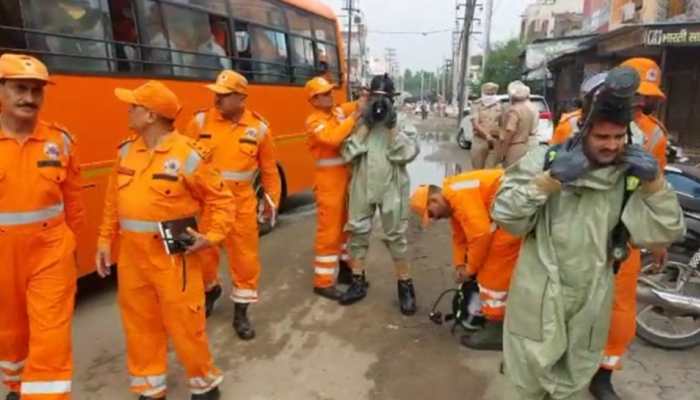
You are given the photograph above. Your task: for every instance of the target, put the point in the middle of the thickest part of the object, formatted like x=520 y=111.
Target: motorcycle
x=668 y=310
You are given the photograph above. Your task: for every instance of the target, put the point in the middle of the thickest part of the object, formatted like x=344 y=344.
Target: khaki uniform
x=488 y=118
x=518 y=123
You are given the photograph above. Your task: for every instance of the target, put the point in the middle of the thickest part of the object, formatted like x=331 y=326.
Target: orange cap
x=228 y=82
x=317 y=86
x=419 y=204
x=154 y=96
x=650 y=75
x=21 y=66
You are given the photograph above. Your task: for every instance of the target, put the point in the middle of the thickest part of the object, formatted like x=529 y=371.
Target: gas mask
x=380 y=107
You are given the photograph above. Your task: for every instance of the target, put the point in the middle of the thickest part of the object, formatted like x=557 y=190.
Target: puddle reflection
x=439 y=157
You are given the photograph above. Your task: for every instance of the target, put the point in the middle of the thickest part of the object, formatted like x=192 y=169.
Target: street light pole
x=349 y=57
x=468 y=16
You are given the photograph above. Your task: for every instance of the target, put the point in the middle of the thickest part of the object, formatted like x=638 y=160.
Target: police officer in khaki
x=519 y=122
x=486 y=116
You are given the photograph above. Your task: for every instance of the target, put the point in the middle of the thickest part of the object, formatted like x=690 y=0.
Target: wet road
x=311 y=348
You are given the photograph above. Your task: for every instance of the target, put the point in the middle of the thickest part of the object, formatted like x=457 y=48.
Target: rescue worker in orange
x=40 y=213
x=649 y=132
x=480 y=250
x=161 y=175
x=326 y=128
x=243 y=150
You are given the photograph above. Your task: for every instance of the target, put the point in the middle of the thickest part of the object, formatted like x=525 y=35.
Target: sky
x=427 y=52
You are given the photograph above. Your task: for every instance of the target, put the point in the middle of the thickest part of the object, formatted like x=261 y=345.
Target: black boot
x=244 y=329
x=344 y=273
x=140 y=398
x=12 y=396
x=490 y=337
x=356 y=292
x=213 y=394
x=407 y=296
x=330 y=292
x=210 y=299
x=601 y=386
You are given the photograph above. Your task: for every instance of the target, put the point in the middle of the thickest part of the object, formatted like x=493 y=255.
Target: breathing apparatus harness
x=461 y=314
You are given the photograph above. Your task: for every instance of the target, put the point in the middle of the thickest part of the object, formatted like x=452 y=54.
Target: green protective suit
x=560 y=299
x=379 y=183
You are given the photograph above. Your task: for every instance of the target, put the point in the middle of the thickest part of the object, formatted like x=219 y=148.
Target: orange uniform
x=568 y=124
x=40 y=210
x=623 y=324
x=242 y=151
x=325 y=133
x=489 y=252
x=175 y=180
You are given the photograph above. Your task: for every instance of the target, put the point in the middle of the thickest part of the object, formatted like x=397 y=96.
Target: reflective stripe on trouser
x=241 y=246
x=154 y=308
x=623 y=324
x=330 y=192
x=38 y=283
x=494 y=276
x=394 y=225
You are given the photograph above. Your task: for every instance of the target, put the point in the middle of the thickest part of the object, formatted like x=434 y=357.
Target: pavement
x=311 y=348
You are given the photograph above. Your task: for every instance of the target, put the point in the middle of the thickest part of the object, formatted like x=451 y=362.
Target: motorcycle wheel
x=462 y=142
x=657 y=326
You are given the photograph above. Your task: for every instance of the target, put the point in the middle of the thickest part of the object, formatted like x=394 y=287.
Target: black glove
x=569 y=165
x=640 y=163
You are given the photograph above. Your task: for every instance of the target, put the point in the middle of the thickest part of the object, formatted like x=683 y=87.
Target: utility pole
x=350 y=9
x=488 y=15
x=463 y=72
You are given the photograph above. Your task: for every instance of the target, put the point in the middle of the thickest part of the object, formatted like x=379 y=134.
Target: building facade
x=551 y=18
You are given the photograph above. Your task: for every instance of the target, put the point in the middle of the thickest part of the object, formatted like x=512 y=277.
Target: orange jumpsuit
x=488 y=251
x=623 y=324
x=40 y=212
x=240 y=151
x=325 y=133
x=174 y=180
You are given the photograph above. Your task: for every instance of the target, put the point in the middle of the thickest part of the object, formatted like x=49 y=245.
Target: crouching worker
x=161 y=176
x=378 y=153
x=479 y=249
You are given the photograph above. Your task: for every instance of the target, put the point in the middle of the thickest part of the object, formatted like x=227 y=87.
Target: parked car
x=545 y=127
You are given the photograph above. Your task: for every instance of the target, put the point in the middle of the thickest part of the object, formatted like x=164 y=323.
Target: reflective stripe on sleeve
x=66 y=144
x=330 y=162
x=200 y=117
x=238 y=175
x=467 y=184
x=30 y=217
x=192 y=162
x=655 y=138
x=124 y=150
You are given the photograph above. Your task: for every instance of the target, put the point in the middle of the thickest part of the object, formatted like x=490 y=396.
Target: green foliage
x=502 y=66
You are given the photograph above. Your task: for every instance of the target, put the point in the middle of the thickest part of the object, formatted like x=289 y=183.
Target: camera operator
x=378 y=153
x=577 y=206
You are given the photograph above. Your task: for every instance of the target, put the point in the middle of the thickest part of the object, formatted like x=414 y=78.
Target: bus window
x=154 y=39
x=324 y=30
x=264 y=59
x=196 y=52
x=66 y=23
x=328 y=60
x=215 y=6
x=125 y=33
x=10 y=17
x=299 y=22
x=258 y=11
x=302 y=51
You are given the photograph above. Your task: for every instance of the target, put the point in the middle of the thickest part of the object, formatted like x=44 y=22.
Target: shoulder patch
x=63 y=130
x=260 y=118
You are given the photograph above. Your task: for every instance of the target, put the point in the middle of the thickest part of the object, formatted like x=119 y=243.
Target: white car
x=545 y=127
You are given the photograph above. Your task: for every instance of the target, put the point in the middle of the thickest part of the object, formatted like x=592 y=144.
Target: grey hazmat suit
x=378 y=157
x=559 y=304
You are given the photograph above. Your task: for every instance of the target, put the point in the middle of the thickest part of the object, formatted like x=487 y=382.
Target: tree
x=503 y=65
